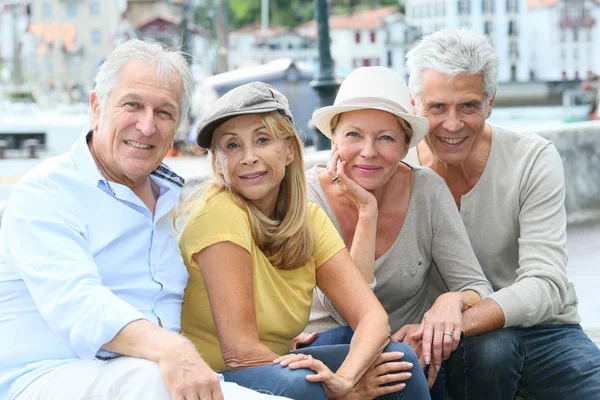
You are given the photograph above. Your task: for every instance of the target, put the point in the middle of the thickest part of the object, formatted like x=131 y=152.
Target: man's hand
x=303 y=338
x=406 y=334
x=386 y=370
x=186 y=374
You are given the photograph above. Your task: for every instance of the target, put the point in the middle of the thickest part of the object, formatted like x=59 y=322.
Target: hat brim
x=323 y=116
x=205 y=132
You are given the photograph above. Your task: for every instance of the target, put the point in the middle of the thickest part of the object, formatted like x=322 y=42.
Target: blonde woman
x=395 y=218
x=255 y=250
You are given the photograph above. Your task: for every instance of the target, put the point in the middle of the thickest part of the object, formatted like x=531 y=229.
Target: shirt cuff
x=101 y=326
x=511 y=306
x=482 y=290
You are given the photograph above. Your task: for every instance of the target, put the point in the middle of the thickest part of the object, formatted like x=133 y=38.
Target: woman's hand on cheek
x=338 y=171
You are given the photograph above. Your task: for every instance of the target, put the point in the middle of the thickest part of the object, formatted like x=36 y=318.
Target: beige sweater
x=515 y=218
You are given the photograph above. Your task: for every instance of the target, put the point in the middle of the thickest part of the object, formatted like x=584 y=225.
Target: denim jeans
x=414 y=388
x=542 y=362
x=282 y=381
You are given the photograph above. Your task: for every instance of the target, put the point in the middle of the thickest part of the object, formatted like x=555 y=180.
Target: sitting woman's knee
x=409 y=353
x=293 y=384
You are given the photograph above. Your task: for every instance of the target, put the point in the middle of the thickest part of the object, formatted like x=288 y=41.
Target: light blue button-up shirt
x=80 y=258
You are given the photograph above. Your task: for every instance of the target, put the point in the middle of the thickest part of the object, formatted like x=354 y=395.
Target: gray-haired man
x=91 y=278
x=509 y=187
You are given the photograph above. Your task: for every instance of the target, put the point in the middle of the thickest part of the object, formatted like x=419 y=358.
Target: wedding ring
x=451 y=334
x=309 y=356
x=335 y=179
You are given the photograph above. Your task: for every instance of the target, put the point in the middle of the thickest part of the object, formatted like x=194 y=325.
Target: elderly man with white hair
x=91 y=277
x=509 y=187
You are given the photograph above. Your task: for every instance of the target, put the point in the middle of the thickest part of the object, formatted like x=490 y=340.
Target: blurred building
x=67 y=41
x=164 y=22
x=362 y=38
x=250 y=45
x=566 y=37
x=14 y=20
x=365 y=38
x=504 y=21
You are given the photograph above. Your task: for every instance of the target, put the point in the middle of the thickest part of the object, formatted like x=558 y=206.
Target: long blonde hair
x=289 y=233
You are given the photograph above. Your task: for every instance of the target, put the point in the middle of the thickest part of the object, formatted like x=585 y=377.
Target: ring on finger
x=451 y=334
x=335 y=179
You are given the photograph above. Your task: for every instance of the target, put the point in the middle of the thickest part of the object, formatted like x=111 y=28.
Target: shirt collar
x=88 y=169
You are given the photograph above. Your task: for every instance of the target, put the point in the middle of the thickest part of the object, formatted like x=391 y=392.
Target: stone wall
x=579 y=148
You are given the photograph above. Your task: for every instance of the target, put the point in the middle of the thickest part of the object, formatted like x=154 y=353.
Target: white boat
x=54 y=131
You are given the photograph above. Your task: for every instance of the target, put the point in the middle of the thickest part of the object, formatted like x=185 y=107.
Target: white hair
x=453 y=52
x=168 y=63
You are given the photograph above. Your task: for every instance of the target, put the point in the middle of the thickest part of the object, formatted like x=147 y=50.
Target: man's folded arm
x=47 y=247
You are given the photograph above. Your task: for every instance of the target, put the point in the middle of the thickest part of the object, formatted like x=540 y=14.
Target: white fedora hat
x=374 y=88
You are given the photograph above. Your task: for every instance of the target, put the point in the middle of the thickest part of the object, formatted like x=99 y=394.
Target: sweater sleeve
x=451 y=249
x=540 y=290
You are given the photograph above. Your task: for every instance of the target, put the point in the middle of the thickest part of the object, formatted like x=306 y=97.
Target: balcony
x=576 y=17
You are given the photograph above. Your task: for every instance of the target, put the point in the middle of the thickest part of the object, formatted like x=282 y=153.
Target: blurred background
x=549 y=51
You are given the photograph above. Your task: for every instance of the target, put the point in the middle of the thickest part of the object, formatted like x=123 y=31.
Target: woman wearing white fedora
x=396 y=219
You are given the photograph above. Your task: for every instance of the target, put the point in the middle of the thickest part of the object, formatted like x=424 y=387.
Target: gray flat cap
x=251 y=98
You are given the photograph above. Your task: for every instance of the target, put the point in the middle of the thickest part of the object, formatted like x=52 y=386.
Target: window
x=575 y=35
x=563 y=35
x=487 y=6
x=357 y=37
x=71 y=9
x=513 y=49
x=373 y=36
x=488 y=27
x=464 y=7
x=389 y=59
x=588 y=34
x=47 y=10
x=511 y=6
x=513 y=73
x=95 y=9
x=512 y=28
x=96 y=36
x=575 y=54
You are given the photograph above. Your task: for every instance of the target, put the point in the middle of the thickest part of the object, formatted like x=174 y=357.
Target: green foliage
x=292 y=13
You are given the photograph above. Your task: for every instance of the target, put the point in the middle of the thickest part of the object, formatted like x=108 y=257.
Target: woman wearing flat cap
x=255 y=250
x=395 y=218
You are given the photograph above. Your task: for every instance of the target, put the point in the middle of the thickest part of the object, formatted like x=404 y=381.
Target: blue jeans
x=542 y=362
x=282 y=381
x=414 y=388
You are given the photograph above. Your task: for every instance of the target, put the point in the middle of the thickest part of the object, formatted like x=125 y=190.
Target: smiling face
x=456 y=109
x=136 y=128
x=252 y=160
x=372 y=142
